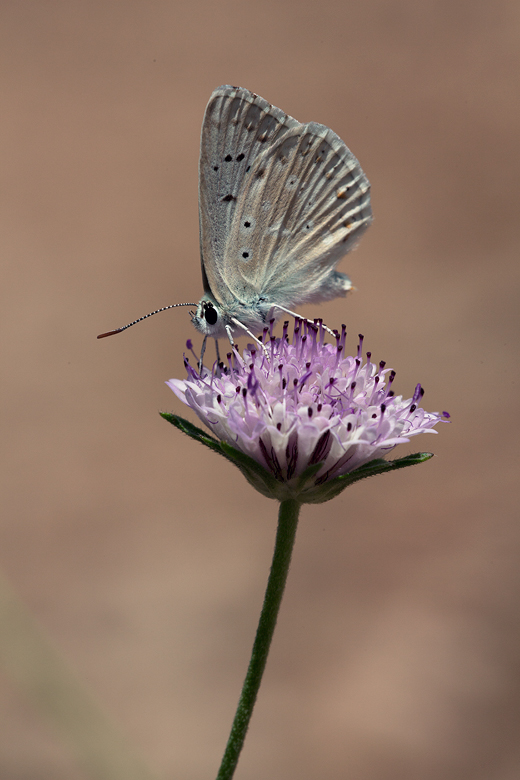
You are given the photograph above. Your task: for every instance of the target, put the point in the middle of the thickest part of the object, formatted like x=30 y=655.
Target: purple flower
x=307 y=413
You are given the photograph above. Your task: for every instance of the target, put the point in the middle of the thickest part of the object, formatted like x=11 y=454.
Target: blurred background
x=143 y=556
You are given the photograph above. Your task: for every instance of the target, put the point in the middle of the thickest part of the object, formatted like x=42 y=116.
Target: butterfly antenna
x=164 y=308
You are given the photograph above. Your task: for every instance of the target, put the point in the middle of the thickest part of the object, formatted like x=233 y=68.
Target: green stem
x=287 y=524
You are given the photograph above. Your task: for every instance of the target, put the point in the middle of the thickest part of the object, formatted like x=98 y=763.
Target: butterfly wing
x=237 y=126
x=280 y=203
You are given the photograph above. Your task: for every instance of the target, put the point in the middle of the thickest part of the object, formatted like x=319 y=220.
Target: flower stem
x=287 y=524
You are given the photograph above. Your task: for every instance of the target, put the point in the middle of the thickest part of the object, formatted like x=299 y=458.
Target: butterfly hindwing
x=303 y=205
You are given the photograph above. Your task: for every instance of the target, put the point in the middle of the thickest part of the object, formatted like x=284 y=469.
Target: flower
x=304 y=412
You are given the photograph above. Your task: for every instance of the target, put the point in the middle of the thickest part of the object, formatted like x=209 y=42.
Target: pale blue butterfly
x=280 y=203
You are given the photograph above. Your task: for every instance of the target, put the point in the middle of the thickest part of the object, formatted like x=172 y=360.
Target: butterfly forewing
x=237 y=127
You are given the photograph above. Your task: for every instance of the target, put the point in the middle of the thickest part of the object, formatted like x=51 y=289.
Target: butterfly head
x=209 y=319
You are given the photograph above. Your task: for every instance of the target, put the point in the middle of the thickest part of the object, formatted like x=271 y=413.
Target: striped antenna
x=164 y=308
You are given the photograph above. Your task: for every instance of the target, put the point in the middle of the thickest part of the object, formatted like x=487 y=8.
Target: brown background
x=397 y=654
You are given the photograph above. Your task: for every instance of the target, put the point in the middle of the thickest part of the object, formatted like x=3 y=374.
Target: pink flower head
x=306 y=413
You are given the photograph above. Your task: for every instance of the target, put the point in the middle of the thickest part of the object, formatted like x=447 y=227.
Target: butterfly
x=280 y=203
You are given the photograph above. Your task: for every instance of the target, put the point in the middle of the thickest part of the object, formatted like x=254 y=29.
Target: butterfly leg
x=202 y=351
x=217 y=351
x=246 y=330
x=305 y=319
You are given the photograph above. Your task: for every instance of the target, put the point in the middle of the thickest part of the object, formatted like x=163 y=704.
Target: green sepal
x=335 y=486
x=192 y=431
x=261 y=479
x=302 y=488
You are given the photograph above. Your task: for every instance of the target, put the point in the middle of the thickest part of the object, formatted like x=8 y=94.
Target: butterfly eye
x=210 y=314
